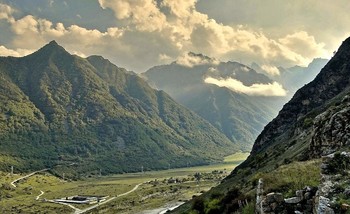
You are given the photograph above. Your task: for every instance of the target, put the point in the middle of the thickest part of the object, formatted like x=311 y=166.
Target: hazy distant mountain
x=239 y=116
x=59 y=108
x=295 y=77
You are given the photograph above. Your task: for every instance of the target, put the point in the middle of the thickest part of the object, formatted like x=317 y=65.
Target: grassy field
x=155 y=192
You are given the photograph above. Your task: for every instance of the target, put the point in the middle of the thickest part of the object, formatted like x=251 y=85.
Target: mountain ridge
x=61 y=107
x=239 y=116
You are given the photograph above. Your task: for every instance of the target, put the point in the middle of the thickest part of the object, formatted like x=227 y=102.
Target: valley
x=181 y=107
x=127 y=193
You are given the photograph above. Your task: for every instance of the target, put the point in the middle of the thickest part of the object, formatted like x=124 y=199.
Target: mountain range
x=285 y=155
x=239 y=116
x=61 y=109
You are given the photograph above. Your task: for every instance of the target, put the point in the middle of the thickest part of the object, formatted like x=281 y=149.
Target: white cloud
x=271 y=70
x=245 y=68
x=302 y=42
x=144 y=14
x=190 y=30
x=164 y=58
x=270 y=89
x=154 y=32
x=6 y=12
x=190 y=60
x=16 y=53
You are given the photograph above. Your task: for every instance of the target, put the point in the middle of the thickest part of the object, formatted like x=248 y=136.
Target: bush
x=249 y=209
x=198 y=205
x=212 y=207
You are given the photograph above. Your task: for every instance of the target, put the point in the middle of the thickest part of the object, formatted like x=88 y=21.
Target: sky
x=139 y=34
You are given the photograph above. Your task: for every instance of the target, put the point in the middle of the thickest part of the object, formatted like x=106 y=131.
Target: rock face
x=332 y=129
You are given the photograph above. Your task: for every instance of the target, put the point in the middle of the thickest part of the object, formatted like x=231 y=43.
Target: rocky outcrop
x=332 y=129
x=273 y=203
x=330 y=197
x=333 y=195
x=303 y=202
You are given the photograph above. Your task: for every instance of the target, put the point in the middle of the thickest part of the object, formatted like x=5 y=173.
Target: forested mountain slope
x=58 y=108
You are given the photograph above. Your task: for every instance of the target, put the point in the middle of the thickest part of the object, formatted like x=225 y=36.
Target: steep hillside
x=57 y=108
x=313 y=123
x=239 y=116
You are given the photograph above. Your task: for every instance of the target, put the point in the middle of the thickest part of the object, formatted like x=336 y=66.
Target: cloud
x=190 y=30
x=164 y=58
x=271 y=89
x=6 y=12
x=271 y=70
x=16 y=53
x=191 y=59
x=153 y=32
x=51 y=2
x=144 y=14
x=302 y=42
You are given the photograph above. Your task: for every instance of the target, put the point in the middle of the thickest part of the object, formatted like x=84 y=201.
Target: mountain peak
x=50 y=49
x=53 y=43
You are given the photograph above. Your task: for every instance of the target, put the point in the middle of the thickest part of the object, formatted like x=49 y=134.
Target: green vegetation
x=291 y=177
x=239 y=195
x=338 y=164
x=80 y=115
x=158 y=189
x=337 y=171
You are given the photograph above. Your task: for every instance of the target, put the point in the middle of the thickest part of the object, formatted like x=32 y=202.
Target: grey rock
x=323 y=206
x=324 y=168
x=347 y=192
x=300 y=194
x=278 y=197
x=308 y=195
x=293 y=200
x=270 y=198
x=308 y=189
x=266 y=209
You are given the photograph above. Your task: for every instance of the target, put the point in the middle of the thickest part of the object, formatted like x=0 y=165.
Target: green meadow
x=155 y=191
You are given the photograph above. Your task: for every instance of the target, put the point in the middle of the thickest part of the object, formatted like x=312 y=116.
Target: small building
x=81 y=199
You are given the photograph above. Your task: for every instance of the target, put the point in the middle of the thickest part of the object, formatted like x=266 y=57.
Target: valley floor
x=127 y=193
